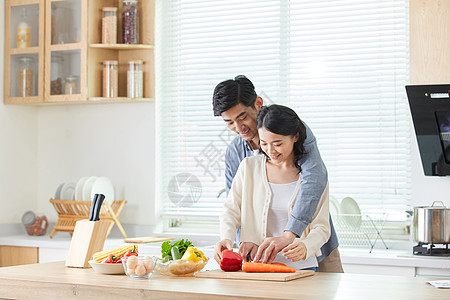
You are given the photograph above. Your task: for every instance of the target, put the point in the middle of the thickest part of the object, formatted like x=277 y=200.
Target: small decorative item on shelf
x=130 y=22
x=110 y=79
x=109 y=25
x=72 y=85
x=26 y=71
x=135 y=79
x=23 y=31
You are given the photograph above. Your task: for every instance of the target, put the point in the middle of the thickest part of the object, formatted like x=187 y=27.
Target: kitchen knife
x=98 y=206
x=92 y=210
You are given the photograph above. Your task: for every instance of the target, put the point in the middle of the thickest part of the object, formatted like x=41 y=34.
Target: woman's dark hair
x=282 y=120
x=231 y=92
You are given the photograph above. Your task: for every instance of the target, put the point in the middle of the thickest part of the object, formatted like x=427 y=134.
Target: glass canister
x=110 y=79
x=56 y=75
x=72 y=85
x=130 y=22
x=109 y=25
x=23 y=31
x=26 y=73
x=135 y=79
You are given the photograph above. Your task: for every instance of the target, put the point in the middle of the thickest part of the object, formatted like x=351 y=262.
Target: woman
x=264 y=191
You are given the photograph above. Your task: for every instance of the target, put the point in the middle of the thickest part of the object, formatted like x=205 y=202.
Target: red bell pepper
x=231 y=261
x=131 y=252
x=112 y=259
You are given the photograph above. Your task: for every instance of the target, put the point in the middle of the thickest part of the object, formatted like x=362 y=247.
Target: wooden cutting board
x=148 y=239
x=255 y=276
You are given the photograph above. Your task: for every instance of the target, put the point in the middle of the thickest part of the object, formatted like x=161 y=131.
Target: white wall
x=18 y=159
x=112 y=140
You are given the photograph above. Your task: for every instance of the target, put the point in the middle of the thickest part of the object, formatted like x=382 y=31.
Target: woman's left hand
x=295 y=251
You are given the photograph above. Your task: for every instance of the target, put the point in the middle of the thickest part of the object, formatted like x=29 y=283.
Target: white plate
x=68 y=191
x=79 y=188
x=87 y=188
x=58 y=191
x=334 y=205
x=350 y=207
x=103 y=185
x=107 y=268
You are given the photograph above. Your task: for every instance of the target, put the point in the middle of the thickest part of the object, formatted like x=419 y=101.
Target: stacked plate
x=85 y=189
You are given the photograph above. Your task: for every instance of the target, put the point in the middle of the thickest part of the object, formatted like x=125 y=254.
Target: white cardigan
x=248 y=202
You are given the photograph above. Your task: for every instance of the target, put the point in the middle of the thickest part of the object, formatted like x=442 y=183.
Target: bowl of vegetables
x=180 y=259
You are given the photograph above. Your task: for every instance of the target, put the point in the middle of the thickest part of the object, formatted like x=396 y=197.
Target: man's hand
x=295 y=251
x=248 y=248
x=220 y=246
x=271 y=246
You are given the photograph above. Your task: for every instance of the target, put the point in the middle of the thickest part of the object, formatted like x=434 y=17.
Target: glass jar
x=72 y=85
x=56 y=75
x=135 y=79
x=109 y=25
x=130 y=22
x=110 y=79
x=26 y=74
x=23 y=31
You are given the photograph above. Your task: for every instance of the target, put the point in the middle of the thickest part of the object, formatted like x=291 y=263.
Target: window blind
x=342 y=65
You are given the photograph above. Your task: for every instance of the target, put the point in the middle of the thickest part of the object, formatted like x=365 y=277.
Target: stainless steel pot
x=431 y=224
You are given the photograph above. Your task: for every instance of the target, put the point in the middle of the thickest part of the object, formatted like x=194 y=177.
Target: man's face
x=242 y=120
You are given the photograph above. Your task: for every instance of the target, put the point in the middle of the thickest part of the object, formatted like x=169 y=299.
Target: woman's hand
x=247 y=248
x=295 y=251
x=224 y=244
x=271 y=246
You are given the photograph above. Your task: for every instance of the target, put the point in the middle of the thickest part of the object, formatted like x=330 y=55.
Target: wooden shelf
x=119 y=99
x=65 y=47
x=122 y=46
x=29 y=50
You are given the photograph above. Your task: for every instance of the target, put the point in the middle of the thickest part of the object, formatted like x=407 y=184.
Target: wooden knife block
x=88 y=238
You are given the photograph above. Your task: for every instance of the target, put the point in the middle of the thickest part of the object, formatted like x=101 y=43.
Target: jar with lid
x=26 y=76
x=34 y=224
x=23 y=31
x=56 y=75
x=135 y=79
x=130 y=22
x=72 y=85
x=110 y=79
x=109 y=25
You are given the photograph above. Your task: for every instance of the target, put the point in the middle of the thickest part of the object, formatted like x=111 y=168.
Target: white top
x=278 y=217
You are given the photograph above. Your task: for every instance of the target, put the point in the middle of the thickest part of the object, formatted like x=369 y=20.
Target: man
x=238 y=104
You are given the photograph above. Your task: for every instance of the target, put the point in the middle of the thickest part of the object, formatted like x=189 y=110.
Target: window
x=342 y=65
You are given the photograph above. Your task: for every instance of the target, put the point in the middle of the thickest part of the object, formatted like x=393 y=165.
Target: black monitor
x=430 y=110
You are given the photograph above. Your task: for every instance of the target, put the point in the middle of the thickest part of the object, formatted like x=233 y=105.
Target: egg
x=148 y=263
x=130 y=271
x=140 y=270
x=132 y=262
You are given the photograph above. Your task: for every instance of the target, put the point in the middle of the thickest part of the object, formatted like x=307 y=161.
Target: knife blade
x=98 y=206
x=92 y=210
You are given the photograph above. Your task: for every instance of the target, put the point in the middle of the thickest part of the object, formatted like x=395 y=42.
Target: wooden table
x=55 y=281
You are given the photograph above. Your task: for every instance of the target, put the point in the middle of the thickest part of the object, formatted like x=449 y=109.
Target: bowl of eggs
x=138 y=266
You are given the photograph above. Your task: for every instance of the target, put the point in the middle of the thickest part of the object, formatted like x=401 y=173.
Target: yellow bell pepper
x=193 y=254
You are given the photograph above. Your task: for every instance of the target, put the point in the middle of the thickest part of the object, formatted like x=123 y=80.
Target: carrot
x=259 y=267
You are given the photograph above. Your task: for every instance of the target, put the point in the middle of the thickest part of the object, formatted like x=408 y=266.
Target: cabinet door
x=24 y=51
x=65 y=50
x=13 y=255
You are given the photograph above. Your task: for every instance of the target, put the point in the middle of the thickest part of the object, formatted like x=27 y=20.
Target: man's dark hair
x=231 y=92
x=282 y=120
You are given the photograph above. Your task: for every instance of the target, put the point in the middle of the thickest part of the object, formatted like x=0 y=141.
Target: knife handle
x=98 y=206
x=92 y=210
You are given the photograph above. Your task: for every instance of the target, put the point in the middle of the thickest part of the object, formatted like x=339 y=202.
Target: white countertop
x=380 y=257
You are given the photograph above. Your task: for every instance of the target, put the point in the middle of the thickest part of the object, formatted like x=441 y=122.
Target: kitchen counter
x=380 y=261
x=55 y=281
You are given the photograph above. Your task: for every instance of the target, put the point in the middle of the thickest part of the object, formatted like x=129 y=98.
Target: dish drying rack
x=69 y=212
x=360 y=229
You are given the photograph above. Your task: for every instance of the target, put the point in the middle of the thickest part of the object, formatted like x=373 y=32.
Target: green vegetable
x=182 y=245
x=175 y=253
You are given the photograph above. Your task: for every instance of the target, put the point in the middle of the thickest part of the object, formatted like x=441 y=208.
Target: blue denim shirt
x=314 y=179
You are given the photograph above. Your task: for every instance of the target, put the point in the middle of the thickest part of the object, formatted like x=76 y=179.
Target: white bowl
x=105 y=268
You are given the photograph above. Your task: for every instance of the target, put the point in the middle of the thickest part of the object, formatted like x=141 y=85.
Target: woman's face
x=279 y=148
